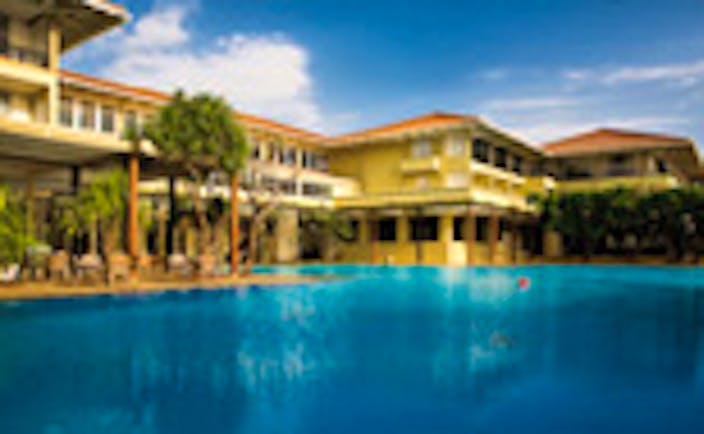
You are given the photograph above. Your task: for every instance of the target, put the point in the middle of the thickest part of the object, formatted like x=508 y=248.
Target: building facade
x=440 y=188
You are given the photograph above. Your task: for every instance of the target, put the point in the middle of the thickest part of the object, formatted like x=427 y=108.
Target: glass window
x=482 y=229
x=458 y=227
x=517 y=165
x=66 y=112
x=424 y=228
x=500 y=157
x=130 y=120
x=87 y=115
x=456 y=145
x=480 y=150
x=387 y=229
x=422 y=183
x=456 y=180
x=4 y=33
x=289 y=156
x=107 y=119
x=4 y=102
x=421 y=148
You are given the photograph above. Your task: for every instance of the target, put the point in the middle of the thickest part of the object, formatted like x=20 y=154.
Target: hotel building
x=439 y=188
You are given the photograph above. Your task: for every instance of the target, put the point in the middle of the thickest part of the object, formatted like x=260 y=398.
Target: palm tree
x=202 y=135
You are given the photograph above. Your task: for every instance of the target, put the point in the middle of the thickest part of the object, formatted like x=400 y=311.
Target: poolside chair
x=58 y=265
x=89 y=266
x=10 y=274
x=145 y=265
x=179 y=263
x=118 y=267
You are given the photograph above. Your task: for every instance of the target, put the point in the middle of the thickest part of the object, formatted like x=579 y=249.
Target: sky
x=540 y=69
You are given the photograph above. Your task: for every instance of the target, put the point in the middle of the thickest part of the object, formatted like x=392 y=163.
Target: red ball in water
x=523 y=282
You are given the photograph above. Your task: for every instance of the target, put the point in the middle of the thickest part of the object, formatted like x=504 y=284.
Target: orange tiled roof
x=612 y=140
x=109 y=86
x=418 y=123
x=249 y=120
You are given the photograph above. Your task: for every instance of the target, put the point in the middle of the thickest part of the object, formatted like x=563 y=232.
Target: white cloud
x=521 y=104
x=266 y=74
x=680 y=74
x=494 y=74
x=544 y=131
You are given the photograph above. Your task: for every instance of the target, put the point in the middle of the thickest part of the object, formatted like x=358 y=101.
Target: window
x=424 y=229
x=517 y=165
x=256 y=153
x=458 y=228
x=480 y=150
x=130 y=120
x=387 y=229
x=4 y=33
x=421 y=148
x=4 y=102
x=456 y=180
x=500 y=157
x=289 y=156
x=87 y=115
x=66 y=112
x=482 y=229
x=321 y=163
x=107 y=119
x=456 y=145
x=662 y=166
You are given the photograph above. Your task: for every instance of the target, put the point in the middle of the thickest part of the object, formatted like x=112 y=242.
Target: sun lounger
x=10 y=274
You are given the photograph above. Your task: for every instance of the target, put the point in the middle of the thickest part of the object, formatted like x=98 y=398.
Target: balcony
x=25 y=55
x=642 y=182
x=486 y=169
x=420 y=165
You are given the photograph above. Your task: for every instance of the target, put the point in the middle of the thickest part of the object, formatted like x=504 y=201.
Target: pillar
x=161 y=231
x=470 y=234
x=234 y=226
x=75 y=185
x=29 y=199
x=171 y=225
x=446 y=232
x=493 y=236
x=133 y=209
x=53 y=64
x=515 y=240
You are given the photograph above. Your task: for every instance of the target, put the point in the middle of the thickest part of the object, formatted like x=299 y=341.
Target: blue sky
x=541 y=69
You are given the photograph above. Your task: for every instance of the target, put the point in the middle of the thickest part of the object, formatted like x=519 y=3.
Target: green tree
x=200 y=134
x=103 y=201
x=14 y=239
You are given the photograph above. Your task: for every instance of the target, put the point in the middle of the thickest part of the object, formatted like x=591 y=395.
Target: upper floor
x=437 y=155
x=608 y=158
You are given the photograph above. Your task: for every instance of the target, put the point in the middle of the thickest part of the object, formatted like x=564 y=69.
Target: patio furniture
x=118 y=267
x=10 y=274
x=58 y=264
x=179 y=263
x=89 y=266
x=37 y=261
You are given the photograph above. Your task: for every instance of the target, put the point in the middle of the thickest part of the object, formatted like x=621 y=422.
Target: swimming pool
x=384 y=349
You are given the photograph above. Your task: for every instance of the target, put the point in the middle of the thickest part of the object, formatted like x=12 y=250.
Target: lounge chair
x=89 y=266
x=179 y=263
x=59 y=265
x=10 y=274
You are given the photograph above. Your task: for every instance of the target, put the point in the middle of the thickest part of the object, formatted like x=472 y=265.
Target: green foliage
x=199 y=132
x=13 y=227
x=103 y=201
x=670 y=221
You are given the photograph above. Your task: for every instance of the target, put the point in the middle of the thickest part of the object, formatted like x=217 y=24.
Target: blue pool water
x=382 y=350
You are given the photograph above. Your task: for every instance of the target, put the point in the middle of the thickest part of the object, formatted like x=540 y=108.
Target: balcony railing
x=25 y=55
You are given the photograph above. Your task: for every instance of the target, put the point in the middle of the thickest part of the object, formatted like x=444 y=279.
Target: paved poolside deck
x=31 y=290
